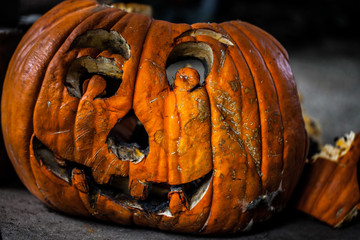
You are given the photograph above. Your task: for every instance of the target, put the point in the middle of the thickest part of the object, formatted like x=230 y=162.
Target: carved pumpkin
x=94 y=127
x=330 y=190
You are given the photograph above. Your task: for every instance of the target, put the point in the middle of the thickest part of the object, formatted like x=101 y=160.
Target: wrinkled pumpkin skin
x=242 y=128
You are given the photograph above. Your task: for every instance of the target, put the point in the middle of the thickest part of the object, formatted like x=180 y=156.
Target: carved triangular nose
x=128 y=139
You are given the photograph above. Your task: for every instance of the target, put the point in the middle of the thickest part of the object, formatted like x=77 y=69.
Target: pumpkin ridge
x=142 y=59
x=271 y=121
x=213 y=224
x=270 y=53
x=238 y=132
x=257 y=162
x=270 y=193
x=241 y=136
x=276 y=92
x=260 y=112
x=291 y=121
x=273 y=83
x=138 y=62
x=249 y=153
x=251 y=201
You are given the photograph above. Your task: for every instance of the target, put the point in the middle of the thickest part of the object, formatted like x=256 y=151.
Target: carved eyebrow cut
x=103 y=40
x=86 y=66
x=207 y=32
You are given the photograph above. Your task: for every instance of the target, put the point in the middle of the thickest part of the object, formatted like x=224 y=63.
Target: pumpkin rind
x=240 y=133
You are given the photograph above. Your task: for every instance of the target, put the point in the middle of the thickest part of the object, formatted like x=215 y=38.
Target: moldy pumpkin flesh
x=94 y=127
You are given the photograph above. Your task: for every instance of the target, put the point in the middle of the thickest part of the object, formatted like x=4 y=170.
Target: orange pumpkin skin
x=240 y=133
x=330 y=190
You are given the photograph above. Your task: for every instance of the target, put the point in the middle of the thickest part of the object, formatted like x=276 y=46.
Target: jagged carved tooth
x=139 y=189
x=79 y=180
x=178 y=201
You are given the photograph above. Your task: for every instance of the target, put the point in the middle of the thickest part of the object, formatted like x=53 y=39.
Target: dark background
x=294 y=23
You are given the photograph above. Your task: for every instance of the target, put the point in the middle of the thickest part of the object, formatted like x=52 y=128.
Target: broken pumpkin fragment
x=330 y=191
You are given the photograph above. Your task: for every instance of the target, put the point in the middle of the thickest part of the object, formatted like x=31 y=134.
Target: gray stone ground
x=328 y=76
x=24 y=217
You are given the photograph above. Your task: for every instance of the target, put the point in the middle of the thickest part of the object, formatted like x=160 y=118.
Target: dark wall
x=296 y=22
x=292 y=22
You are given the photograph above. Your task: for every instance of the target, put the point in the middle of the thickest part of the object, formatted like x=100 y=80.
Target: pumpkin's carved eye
x=197 y=55
x=82 y=69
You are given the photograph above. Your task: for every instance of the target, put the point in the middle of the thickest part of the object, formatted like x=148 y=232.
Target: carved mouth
x=158 y=197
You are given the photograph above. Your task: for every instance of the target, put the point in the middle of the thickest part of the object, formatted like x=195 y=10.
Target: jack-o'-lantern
x=94 y=127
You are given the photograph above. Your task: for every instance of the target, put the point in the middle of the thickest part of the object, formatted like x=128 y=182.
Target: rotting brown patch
x=204 y=111
x=234 y=84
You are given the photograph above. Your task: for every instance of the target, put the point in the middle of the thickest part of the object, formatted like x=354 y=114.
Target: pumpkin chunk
x=330 y=187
